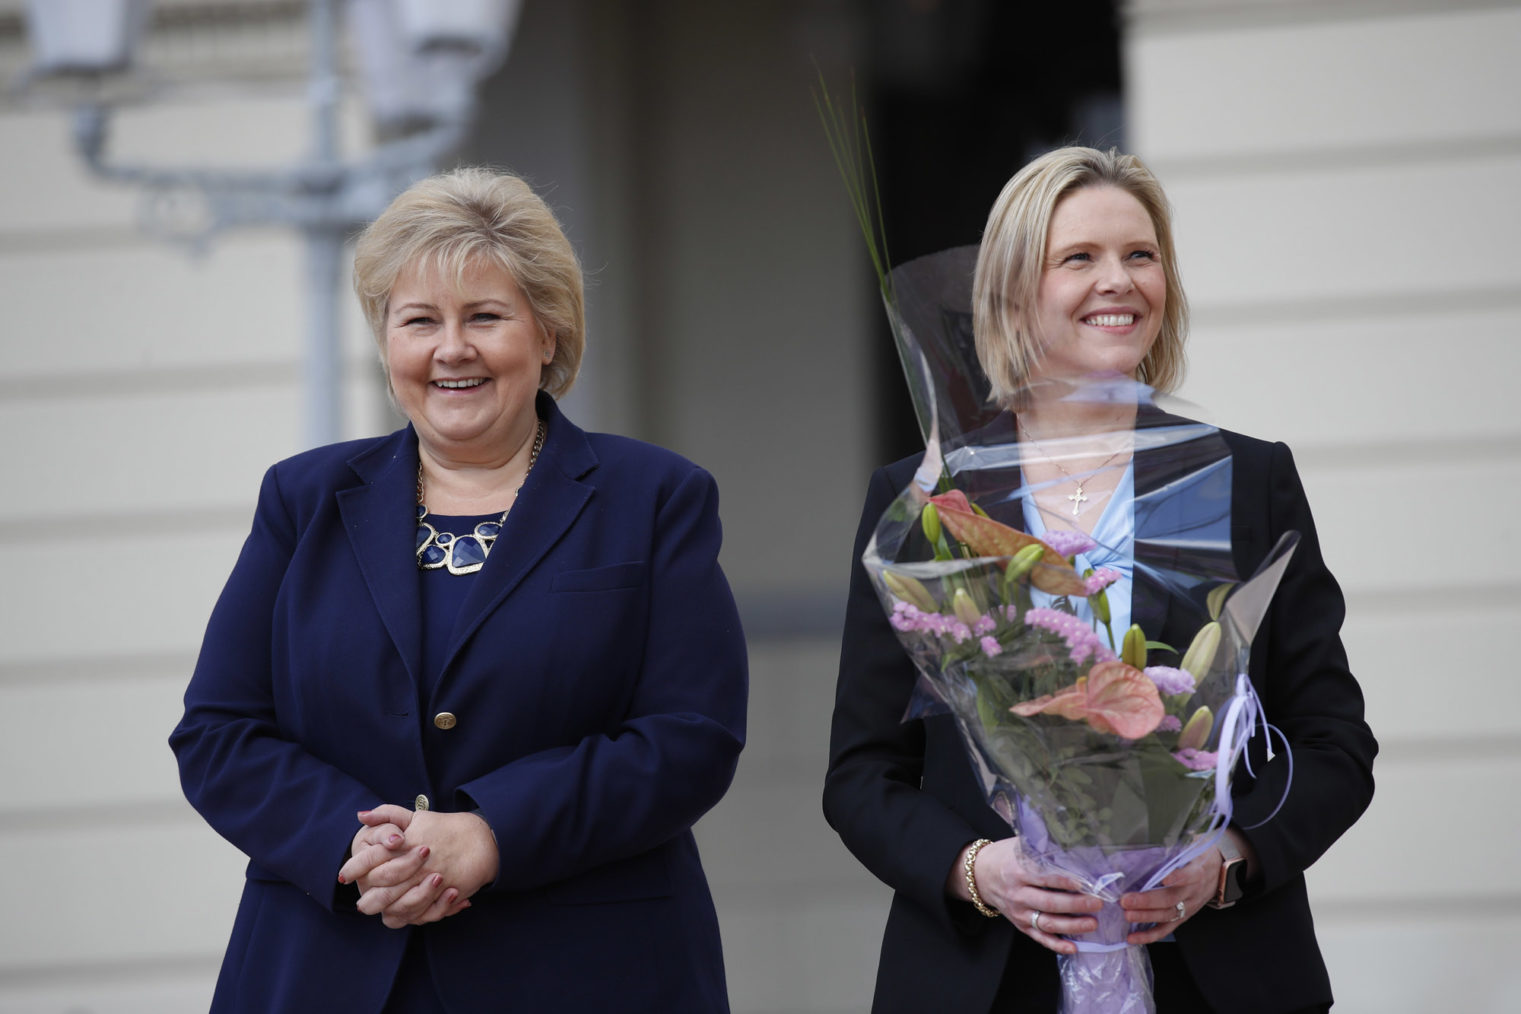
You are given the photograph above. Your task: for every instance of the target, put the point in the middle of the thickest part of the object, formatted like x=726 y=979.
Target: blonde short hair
x=1012 y=257
x=457 y=218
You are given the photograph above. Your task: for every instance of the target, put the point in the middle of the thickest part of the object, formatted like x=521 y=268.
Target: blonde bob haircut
x=456 y=219
x=1012 y=257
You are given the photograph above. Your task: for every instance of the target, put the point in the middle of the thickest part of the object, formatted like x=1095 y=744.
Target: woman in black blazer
x=1082 y=239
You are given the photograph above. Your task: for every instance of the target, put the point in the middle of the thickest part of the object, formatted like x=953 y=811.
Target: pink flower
x=1068 y=543
x=991 y=647
x=1195 y=760
x=1082 y=642
x=1171 y=681
x=1170 y=723
x=984 y=625
x=911 y=619
x=1100 y=579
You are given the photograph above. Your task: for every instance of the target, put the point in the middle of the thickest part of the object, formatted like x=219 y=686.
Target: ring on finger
x=1181 y=912
x=1035 y=921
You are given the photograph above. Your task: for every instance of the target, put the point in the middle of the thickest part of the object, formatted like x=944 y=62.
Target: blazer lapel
x=1182 y=518
x=380 y=520
x=551 y=499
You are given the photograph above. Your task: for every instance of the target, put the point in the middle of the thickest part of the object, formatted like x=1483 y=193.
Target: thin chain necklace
x=1077 y=497
x=464 y=554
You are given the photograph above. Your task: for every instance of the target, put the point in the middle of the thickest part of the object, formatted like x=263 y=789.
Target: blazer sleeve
x=873 y=798
x=563 y=811
x=288 y=811
x=1308 y=691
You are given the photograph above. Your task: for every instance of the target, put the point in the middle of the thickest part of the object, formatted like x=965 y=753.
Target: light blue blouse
x=1115 y=535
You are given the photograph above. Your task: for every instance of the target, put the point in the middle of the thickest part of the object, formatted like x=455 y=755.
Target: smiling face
x=1102 y=287
x=464 y=359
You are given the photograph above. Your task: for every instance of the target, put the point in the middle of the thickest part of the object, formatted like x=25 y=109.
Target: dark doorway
x=960 y=94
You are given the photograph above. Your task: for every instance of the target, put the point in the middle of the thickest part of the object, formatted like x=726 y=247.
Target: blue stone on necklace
x=468 y=555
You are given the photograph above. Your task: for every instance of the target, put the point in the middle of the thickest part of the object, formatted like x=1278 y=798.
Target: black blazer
x=904 y=798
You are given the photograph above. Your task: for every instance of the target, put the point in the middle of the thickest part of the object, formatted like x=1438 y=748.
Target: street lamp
x=421 y=61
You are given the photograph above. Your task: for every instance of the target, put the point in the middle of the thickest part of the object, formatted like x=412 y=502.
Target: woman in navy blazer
x=470 y=685
x=1077 y=275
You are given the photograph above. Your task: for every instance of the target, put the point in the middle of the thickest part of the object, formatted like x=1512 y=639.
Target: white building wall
x=143 y=391
x=1345 y=178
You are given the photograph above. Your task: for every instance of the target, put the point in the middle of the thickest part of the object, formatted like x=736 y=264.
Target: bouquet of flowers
x=1098 y=681
x=1108 y=746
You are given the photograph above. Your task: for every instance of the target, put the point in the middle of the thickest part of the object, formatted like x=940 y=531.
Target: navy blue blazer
x=904 y=798
x=598 y=677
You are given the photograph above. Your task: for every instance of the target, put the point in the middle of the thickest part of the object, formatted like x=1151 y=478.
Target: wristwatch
x=1232 y=876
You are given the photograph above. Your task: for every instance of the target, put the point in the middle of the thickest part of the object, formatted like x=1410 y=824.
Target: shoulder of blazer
x=626 y=465
x=1249 y=449
x=1261 y=467
x=901 y=472
x=311 y=477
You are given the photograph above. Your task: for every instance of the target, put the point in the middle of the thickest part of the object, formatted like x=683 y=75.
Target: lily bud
x=1215 y=600
x=964 y=608
x=1201 y=654
x=1133 y=649
x=979 y=511
x=910 y=591
x=1023 y=562
x=929 y=519
x=1099 y=600
x=1196 y=731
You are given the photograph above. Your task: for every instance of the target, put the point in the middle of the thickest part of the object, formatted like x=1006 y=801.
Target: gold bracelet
x=968 y=866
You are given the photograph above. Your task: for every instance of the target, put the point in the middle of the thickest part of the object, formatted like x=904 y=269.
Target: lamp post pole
x=322 y=382
x=323 y=196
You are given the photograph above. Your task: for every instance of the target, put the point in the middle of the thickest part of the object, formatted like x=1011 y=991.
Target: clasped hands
x=416 y=867
x=1048 y=907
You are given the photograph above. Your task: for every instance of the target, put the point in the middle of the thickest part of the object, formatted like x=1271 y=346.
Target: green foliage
x=850 y=144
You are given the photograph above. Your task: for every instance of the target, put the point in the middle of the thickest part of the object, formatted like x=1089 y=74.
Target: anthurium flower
x=1114 y=698
x=987 y=537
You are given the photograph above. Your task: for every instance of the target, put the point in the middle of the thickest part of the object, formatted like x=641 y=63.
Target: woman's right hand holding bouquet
x=1042 y=904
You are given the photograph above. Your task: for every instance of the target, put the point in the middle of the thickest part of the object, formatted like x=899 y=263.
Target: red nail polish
x=437 y=880
x=341 y=880
x=423 y=851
